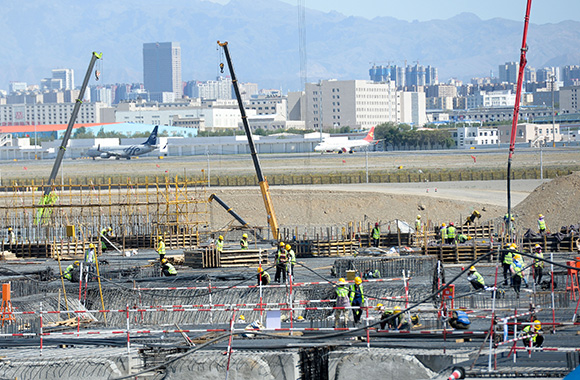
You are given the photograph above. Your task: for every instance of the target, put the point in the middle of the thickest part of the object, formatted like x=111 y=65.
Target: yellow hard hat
x=242 y=318
x=245 y=236
x=341 y=281
x=537 y=246
x=288 y=246
x=380 y=305
x=109 y=229
x=514 y=247
x=281 y=244
x=91 y=245
x=443 y=224
x=418 y=216
x=517 y=256
x=160 y=237
x=9 y=228
x=300 y=318
x=472 y=269
x=77 y=263
x=537 y=325
x=220 y=237
x=540 y=216
x=397 y=309
x=164 y=261
x=260 y=269
x=357 y=280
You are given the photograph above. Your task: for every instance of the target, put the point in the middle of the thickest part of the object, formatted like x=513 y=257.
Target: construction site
x=167 y=277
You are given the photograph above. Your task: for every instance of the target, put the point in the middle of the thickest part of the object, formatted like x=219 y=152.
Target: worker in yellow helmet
x=219 y=244
x=541 y=224
x=376 y=235
x=538 y=263
x=281 y=264
x=160 y=248
x=475 y=279
x=244 y=244
x=443 y=232
x=263 y=277
x=533 y=334
x=418 y=225
x=506 y=258
x=70 y=273
x=342 y=301
x=90 y=256
x=357 y=299
x=401 y=320
x=168 y=269
x=291 y=260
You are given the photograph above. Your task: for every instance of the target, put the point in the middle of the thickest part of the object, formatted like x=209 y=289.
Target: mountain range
x=263 y=39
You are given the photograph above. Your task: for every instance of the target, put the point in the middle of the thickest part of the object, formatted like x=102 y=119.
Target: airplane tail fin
x=370 y=136
x=152 y=140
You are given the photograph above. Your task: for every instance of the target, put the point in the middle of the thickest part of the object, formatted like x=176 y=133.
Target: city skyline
x=263 y=36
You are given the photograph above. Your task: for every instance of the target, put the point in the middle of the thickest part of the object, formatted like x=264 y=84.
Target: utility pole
x=553 y=78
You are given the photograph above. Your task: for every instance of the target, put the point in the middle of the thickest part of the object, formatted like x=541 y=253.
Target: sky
x=542 y=12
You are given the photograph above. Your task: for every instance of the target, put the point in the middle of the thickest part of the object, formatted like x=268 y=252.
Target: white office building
x=48 y=113
x=359 y=104
x=467 y=137
x=484 y=99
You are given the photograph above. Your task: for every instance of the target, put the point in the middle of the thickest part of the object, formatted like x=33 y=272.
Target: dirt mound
x=313 y=208
x=558 y=200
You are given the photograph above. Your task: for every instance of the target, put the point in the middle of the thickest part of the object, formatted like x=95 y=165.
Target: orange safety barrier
x=6 y=304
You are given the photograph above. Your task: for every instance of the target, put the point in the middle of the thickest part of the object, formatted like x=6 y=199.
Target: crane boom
x=47 y=197
x=264 y=187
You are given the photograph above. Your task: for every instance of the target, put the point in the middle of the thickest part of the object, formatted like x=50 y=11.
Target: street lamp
x=552 y=78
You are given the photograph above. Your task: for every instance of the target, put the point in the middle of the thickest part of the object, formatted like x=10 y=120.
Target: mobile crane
x=264 y=187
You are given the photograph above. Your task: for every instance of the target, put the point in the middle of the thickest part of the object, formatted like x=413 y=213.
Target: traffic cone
x=458 y=373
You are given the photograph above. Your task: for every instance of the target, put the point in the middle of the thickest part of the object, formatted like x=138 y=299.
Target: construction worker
x=461 y=238
x=244 y=242
x=357 y=298
x=161 y=247
x=506 y=261
x=538 y=263
x=263 y=277
x=281 y=261
x=90 y=256
x=342 y=300
x=219 y=244
x=11 y=236
x=418 y=225
x=443 y=232
x=459 y=320
x=516 y=270
x=106 y=233
x=533 y=332
x=167 y=268
x=474 y=215
x=69 y=272
x=475 y=279
x=401 y=321
x=541 y=224
x=451 y=233
x=384 y=315
x=520 y=263
x=291 y=260
x=376 y=235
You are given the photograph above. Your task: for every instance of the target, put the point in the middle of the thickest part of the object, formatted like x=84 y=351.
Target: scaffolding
x=169 y=206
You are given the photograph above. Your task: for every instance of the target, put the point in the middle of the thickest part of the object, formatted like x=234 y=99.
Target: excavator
x=264 y=187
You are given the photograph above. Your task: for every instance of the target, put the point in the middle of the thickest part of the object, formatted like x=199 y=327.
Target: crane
x=264 y=187
x=48 y=198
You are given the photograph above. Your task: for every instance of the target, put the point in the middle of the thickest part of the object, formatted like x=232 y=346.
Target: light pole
x=553 y=77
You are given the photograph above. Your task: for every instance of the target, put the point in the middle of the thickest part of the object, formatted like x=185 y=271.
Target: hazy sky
x=543 y=11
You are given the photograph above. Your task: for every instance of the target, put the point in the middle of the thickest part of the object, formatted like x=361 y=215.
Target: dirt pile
x=311 y=208
x=558 y=200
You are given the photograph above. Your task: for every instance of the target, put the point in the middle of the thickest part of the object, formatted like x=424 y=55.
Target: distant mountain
x=263 y=35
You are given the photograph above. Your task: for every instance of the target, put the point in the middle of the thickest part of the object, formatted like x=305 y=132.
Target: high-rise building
x=508 y=72
x=162 y=68
x=67 y=77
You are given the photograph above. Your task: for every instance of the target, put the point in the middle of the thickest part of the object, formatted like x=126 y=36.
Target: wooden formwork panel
x=455 y=253
x=209 y=257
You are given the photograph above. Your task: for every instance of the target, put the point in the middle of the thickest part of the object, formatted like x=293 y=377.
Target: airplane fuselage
x=121 y=151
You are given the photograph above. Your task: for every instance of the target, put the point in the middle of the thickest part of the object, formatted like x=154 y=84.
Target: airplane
x=126 y=151
x=343 y=144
